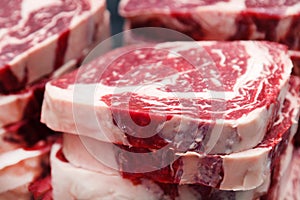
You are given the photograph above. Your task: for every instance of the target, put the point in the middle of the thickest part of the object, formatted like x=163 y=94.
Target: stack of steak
x=177 y=120
x=39 y=40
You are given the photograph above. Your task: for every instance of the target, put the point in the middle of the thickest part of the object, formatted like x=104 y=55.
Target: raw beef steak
x=276 y=20
x=212 y=97
x=64 y=182
x=38 y=37
x=27 y=103
x=24 y=104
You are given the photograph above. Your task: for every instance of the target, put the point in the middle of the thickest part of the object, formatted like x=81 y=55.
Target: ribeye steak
x=38 y=37
x=212 y=97
x=272 y=20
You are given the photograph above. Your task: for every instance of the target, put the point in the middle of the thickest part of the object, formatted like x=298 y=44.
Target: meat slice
x=24 y=156
x=165 y=95
x=109 y=184
x=27 y=103
x=277 y=21
x=38 y=38
x=19 y=167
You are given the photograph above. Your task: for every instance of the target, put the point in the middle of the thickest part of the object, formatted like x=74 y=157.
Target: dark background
x=116 y=20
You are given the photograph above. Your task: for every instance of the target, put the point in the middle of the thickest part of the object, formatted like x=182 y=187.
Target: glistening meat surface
x=212 y=97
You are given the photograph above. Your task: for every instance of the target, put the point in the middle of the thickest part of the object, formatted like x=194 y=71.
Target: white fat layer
x=254 y=193
x=285 y=167
x=13 y=106
x=293 y=10
x=6 y=99
x=245 y=170
x=19 y=174
x=99 y=90
x=15 y=156
x=66 y=185
x=92 y=124
x=87 y=153
x=231 y=7
x=29 y=6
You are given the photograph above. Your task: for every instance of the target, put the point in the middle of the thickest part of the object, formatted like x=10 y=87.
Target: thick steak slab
x=64 y=182
x=38 y=37
x=277 y=21
x=24 y=104
x=27 y=103
x=212 y=97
